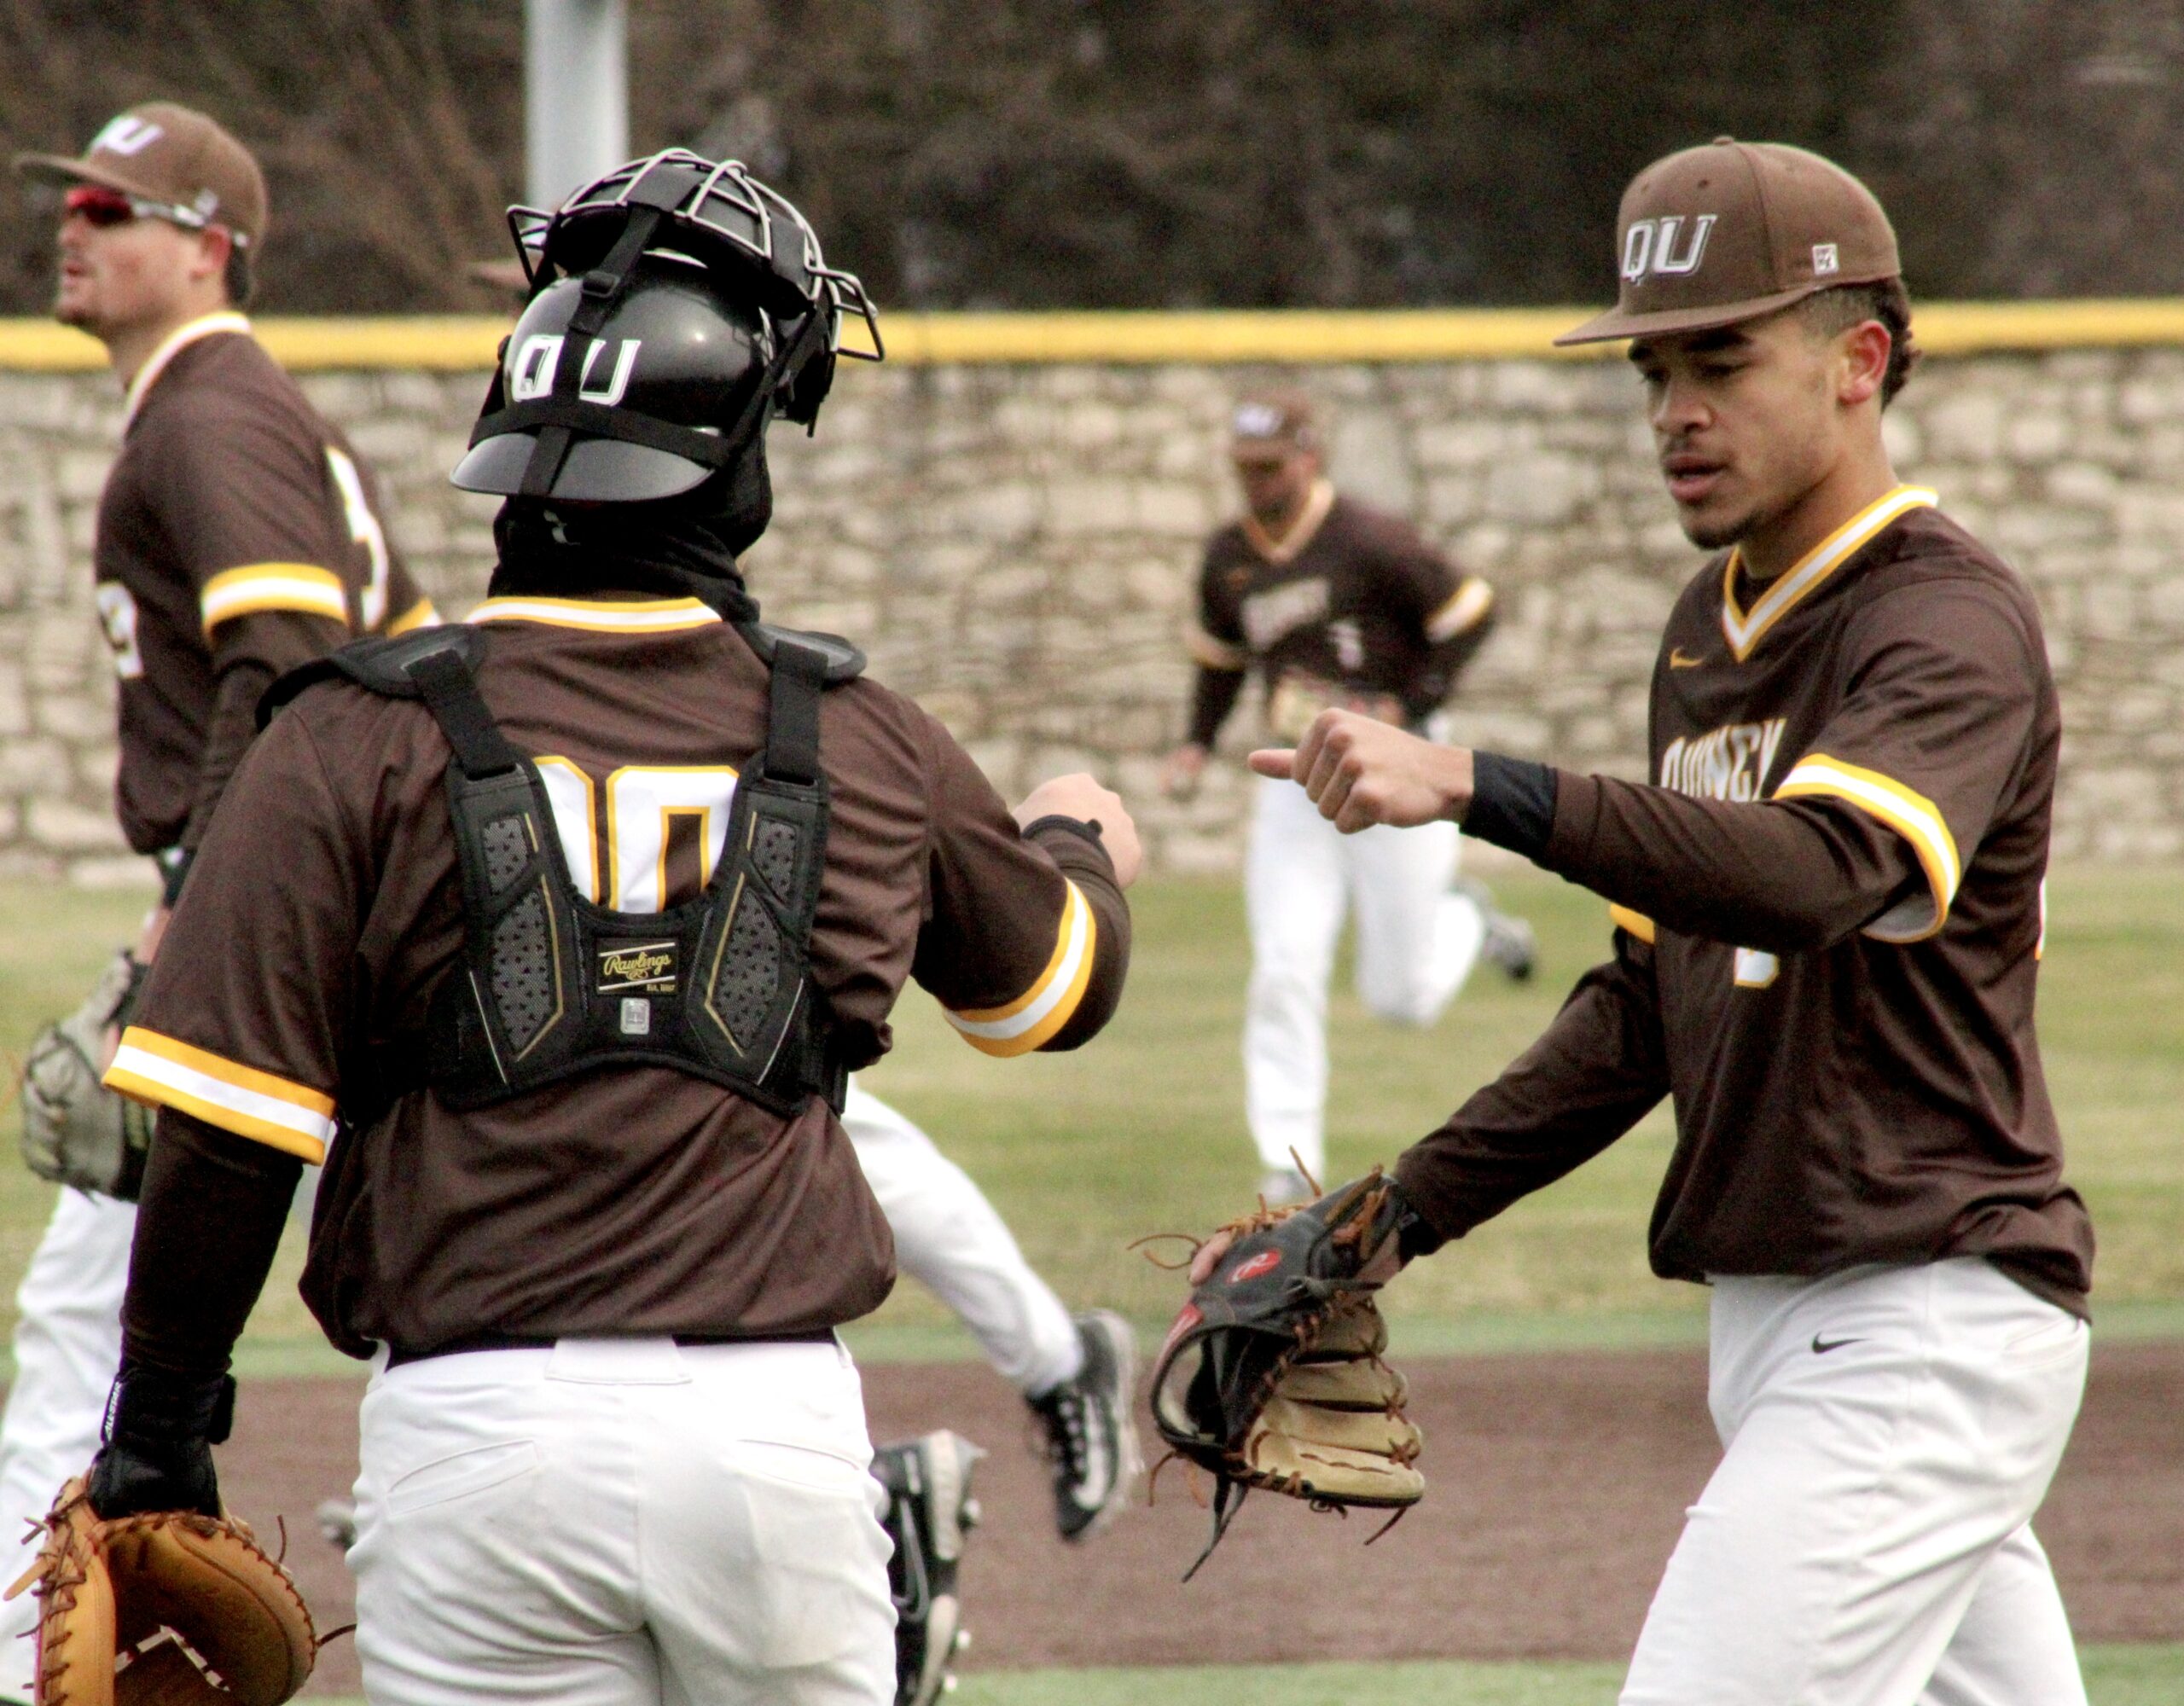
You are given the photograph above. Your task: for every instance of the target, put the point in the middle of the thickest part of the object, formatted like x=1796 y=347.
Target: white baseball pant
x=1417 y=941
x=948 y=1238
x=1888 y=1433
x=622 y=1522
x=67 y=1348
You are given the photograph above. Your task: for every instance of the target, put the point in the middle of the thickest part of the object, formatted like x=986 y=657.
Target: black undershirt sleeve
x=1445 y=660
x=208 y=1222
x=1212 y=698
x=233 y=727
x=1512 y=804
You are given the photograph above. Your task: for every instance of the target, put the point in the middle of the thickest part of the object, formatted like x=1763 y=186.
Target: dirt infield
x=1558 y=1483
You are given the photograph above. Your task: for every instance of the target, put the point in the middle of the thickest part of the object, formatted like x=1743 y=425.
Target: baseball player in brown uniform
x=1828 y=924
x=238 y=536
x=587 y=908
x=1076 y=1373
x=1331 y=603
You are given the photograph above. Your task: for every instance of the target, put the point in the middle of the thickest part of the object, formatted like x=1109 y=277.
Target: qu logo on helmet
x=538 y=357
x=1264 y=1262
x=1649 y=246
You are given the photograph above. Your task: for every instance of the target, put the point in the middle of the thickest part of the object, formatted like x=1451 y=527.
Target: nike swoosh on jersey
x=1677 y=660
x=1821 y=1346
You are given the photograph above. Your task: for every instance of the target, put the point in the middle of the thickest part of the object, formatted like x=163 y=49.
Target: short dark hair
x=1838 y=309
x=238 y=278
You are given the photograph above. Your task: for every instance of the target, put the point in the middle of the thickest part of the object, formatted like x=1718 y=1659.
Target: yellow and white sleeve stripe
x=421 y=614
x=1462 y=613
x=1212 y=654
x=1635 y=923
x=1044 y=1008
x=275 y=1111
x=273 y=586
x=1912 y=815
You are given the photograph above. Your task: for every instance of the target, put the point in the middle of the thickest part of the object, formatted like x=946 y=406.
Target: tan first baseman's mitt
x=163 y=1608
x=1271 y=1376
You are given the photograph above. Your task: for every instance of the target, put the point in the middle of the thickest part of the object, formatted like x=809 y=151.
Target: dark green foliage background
x=1032 y=153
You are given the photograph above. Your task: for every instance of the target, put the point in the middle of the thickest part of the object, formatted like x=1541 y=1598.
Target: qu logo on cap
x=1649 y=246
x=126 y=134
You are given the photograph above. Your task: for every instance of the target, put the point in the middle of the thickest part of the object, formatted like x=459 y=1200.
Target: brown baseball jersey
x=1347 y=598
x=237 y=529
x=640 y=1200
x=1830 y=918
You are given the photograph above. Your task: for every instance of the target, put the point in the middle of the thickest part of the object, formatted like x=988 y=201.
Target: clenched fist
x=1083 y=798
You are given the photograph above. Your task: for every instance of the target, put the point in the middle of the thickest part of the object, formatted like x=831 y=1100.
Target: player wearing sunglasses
x=238 y=536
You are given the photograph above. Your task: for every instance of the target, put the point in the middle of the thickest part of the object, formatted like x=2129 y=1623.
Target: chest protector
x=550 y=984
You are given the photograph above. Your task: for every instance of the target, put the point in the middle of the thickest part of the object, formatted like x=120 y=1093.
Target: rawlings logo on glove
x=1271 y=1376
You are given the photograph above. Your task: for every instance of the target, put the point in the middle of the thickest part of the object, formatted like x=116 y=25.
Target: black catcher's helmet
x=677 y=305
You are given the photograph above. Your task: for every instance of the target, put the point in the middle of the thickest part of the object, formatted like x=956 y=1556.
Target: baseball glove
x=163 y=1608
x=1271 y=1376
x=75 y=1130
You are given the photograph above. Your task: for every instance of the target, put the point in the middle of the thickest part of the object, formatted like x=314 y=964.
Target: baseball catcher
x=1271 y=1376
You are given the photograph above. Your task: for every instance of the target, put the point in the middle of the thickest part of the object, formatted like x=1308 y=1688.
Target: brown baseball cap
x=192 y=171
x=1734 y=230
x=1270 y=424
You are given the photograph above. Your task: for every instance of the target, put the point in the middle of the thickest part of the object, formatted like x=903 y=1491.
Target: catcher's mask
x=677 y=306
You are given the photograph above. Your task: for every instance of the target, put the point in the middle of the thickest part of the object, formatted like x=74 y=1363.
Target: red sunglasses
x=103 y=207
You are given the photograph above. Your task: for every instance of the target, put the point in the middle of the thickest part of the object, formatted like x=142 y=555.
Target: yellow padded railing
x=465 y=343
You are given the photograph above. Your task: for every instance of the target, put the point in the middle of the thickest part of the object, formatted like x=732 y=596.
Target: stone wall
x=1016 y=547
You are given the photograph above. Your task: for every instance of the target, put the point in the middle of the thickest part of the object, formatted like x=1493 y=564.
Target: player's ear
x=209 y=257
x=1862 y=355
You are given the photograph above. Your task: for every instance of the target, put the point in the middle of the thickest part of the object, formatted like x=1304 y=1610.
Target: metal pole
x=575 y=69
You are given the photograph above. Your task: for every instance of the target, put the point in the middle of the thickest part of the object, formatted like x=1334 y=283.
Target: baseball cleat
x=1091 y=1436
x=1510 y=945
x=930 y=1509
x=337 y=1521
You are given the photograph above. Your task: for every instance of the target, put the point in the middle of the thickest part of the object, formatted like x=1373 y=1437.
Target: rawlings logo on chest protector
x=637 y=965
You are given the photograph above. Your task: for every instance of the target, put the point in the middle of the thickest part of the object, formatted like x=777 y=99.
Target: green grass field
x=2115 y=1676
x=1143 y=1132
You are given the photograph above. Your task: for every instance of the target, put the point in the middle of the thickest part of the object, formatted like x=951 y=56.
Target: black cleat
x=1091 y=1437
x=1510 y=945
x=930 y=1509
x=337 y=1522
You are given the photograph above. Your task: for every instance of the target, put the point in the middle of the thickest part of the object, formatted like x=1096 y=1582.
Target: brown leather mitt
x=1271 y=1376
x=163 y=1608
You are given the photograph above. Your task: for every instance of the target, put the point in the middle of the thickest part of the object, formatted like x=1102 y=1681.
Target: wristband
x=1088 y=828
x=153 y=1406
x=1512 y=804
